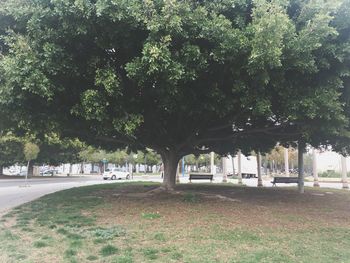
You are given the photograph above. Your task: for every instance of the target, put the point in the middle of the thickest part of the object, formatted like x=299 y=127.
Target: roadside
x=14 y=192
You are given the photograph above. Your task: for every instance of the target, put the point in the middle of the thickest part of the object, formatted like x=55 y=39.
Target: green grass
x=89 y=224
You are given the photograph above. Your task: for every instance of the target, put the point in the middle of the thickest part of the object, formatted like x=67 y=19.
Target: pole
x=301 y=149
x=239 y=159
x=344 y=178
x=314 y=167
x=286 y=163
x=258 y=161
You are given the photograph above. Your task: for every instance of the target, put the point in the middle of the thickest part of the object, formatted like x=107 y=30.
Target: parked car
x=115 y=173
x=22 y=173
x=50 y=172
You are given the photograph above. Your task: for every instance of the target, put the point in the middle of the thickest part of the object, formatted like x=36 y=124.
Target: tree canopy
x=179 y=77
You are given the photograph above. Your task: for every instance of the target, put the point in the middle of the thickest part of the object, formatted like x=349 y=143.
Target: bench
x=201 y=177
x=284 y=180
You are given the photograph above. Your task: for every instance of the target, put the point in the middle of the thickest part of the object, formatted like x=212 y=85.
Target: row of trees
x=180 y=77
x=53 y=151
x=31 y=151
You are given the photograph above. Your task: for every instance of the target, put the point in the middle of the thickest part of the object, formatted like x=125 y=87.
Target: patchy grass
x=127 y=223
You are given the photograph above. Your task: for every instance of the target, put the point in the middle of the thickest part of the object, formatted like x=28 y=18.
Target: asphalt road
x=13 y=192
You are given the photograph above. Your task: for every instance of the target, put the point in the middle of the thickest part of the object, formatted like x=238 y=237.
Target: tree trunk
x=70 y=169
x=30 y=169
x=212 y=167
x=286 y=162
x=344 y=172
x=239 y=157
x=258 y=163
x=100 y=167
x=233 y=165
x=314 y=168
x=224 y=170
x=1 y=170
x=301 y=149
x=170 y=160
x=82 y=168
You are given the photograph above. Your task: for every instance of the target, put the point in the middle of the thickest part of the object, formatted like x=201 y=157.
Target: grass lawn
x=125 y=222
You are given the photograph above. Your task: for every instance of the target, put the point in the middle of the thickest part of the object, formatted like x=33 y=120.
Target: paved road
x=13 y=192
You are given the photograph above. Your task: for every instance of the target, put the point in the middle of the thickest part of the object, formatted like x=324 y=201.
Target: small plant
x=159 y=237
x=76 y=244
x=7 y=234
x=191 y=198
x=127 y=258
x=27 y=229
x=62 y=231
x=69 y=253
x=100 y=241
x=108 y=250
x=40 y=244
x=92 y=258
x=108 y=233
x=176 y=255
x=150 y=253
x=151 y=215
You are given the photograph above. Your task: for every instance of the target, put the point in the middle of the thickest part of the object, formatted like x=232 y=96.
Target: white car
x=115 y=173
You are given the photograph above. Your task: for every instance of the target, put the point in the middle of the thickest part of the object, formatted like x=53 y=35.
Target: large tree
x=179 y=77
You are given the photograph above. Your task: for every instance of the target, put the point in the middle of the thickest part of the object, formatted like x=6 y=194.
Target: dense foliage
x=179 y=77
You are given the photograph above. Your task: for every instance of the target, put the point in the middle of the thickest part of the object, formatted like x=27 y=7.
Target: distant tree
x=11 y=151
x=55 y=151
x=30 y=151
